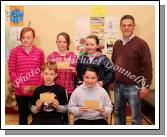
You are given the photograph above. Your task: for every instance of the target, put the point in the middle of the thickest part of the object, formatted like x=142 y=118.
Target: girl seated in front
x=89 y=102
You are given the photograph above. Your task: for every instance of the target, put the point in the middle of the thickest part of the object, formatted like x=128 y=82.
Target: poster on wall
x=82 y=31
x=14 y=21
x=98 y=11
x=16 y=16
x=106 y=28
x=111 y=26
x=111 y=32
x=15 y=32
x=97 y=28
x=109 y=43
x=97 y=19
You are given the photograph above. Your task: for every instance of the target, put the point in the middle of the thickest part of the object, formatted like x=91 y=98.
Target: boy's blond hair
x=50 y=65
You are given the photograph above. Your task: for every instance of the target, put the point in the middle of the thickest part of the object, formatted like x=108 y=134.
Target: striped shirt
x=24 y=68
x=65 y=77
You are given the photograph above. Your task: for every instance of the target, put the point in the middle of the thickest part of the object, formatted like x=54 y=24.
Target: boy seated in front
x=49 y=101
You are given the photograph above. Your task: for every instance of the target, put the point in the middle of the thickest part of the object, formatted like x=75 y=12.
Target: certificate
x=92 y=104
x=47 y=97
x=63 y=65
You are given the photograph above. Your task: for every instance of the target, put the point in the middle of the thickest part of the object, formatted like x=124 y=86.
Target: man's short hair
x=127 y=17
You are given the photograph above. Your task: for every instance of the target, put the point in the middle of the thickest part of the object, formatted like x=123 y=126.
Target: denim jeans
x=127 y=94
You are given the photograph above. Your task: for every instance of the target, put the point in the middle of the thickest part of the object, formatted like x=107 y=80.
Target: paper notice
x=47 y=97
x=92 y=104
x=63 y=65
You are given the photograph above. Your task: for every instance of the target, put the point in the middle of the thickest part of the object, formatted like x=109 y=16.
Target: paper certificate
x=47 y=97
x=63 y=65
x=92 y=104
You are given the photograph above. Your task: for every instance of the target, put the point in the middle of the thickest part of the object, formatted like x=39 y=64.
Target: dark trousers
x=23 y=103
x=43 y=121
x=90 y=122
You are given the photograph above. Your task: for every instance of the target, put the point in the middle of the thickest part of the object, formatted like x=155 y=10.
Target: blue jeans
x=127 y=94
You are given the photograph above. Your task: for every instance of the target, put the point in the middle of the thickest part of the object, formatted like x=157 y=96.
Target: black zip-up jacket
x=104 y=65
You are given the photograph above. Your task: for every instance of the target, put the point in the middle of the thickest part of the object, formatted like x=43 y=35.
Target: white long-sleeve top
x=82 y=93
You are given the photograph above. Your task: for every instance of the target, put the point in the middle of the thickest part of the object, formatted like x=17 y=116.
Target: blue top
x=104 y=65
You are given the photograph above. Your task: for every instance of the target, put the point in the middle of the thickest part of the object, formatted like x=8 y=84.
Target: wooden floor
x=12 y=119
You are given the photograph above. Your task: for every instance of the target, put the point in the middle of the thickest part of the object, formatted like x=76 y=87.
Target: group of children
x=49 y=88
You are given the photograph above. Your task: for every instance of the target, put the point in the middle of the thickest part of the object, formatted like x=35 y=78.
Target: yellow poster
x=97 y=11
x=97 y=28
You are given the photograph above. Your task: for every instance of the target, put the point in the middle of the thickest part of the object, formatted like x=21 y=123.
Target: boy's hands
x=39 y=103
x=55 y=103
